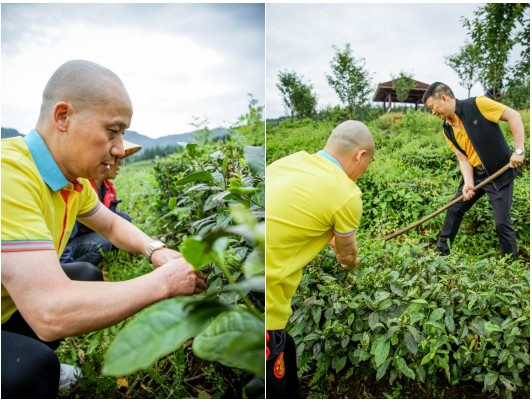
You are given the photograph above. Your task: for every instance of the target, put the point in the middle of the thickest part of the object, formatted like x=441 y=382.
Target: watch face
x=519 y=151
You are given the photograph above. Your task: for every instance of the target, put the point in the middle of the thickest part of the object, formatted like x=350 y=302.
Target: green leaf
x=338 y=362
x=234 y=338
x=373 y=320
x=255 y=283
x=172 y=202
x=381 y=295
x=490 y=327
x=202 y=176
x=403 y=367
x=242 y=190
x=381 y=350
x=157 y=331
x=415 y=317
x=381 y=371
x=490 y=379
x=350 y=319
x=449 y=323
x=254 y=264
x=437 y=314
x=196 y=252
x=316 y=315
x=255 y=158
x=410 y=343
x=191 y=148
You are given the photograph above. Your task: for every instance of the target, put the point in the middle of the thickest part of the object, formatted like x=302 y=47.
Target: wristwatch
x=156 y=245
x=519 y=151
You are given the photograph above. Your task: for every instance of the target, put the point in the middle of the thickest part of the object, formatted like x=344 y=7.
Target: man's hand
x=352 y=266
x=468 y=192
x=163 y=255
x=181 y=278
x=516 y=160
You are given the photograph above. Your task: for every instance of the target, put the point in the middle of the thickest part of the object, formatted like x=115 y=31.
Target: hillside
x=143 y=140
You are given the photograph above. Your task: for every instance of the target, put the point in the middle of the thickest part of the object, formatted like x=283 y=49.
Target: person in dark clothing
x=471 y=129
x=84 y=243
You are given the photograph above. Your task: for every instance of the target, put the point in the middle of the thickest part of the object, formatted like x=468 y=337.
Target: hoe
x=456 y=200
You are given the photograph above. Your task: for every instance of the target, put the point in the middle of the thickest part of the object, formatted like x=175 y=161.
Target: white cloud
x=176 y=60
x=390 y=37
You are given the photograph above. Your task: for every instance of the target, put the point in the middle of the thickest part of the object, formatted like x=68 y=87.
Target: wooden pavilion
x=386 y=94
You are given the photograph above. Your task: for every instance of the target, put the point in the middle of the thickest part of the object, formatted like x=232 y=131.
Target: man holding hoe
x=471 y=130
x=311 y=201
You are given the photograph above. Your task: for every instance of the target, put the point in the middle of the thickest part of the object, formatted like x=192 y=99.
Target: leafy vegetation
x=495 y=31
x=409 y=320
x=349 y=79
x=207 y=201
x=403 y=84
x=298 y=98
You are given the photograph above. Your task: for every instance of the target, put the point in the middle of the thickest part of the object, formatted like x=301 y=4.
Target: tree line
x=495 y=31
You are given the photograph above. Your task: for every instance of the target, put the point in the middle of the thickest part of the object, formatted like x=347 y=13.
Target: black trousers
x=501 y=204
x=281 y=370
x=30 y=368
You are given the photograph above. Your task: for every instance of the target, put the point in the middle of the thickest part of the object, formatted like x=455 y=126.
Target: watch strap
x=153 y=246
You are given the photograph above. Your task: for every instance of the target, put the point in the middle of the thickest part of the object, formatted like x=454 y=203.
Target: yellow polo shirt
x=308 y=199
x=491 y=111
x=39 y=205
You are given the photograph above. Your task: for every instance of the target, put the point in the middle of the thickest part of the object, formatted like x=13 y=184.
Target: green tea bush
x=408 y=315
x=210 y=205
x=413 y=316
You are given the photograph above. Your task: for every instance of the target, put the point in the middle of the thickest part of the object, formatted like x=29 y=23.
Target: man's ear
x=359 y=155
x=62 y=112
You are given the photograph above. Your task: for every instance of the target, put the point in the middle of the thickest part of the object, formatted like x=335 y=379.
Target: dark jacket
x=487 y=139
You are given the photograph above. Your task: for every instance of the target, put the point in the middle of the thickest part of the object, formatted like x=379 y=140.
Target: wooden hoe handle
x=456 y=200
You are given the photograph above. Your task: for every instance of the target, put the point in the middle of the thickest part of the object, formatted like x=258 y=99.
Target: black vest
x=487 y=139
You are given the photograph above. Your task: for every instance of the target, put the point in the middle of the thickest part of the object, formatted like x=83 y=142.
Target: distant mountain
x=144 y=141
x=10 y=132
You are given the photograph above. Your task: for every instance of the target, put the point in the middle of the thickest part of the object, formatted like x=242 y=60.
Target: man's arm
x=346 y=250
x=518 y=132
x=467 y=174
x=55 y=306
x=126 y=236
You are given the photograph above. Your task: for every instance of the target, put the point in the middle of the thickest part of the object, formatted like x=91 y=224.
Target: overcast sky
x=176 y=60
x=390 y=37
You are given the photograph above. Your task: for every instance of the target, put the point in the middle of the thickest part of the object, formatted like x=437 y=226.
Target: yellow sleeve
x=89 y=202
x=24 y=227
x=347 y=218
x=490 y=109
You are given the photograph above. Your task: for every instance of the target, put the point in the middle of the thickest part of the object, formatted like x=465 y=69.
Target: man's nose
x=117 y=148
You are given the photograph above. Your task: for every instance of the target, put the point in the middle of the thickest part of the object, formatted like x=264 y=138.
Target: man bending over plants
x=471 y=130
x=85 y=107
x=311 y=201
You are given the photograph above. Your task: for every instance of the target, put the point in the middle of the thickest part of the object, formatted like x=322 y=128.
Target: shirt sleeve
x=347 y=218
x=89 y=202
x=23 y=224
x=489 y=108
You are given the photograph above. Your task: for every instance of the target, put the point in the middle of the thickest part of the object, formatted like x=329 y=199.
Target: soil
x=365 y=386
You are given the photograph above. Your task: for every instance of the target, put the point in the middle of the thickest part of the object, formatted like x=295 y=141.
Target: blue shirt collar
x=50 y=172
x=328 y=156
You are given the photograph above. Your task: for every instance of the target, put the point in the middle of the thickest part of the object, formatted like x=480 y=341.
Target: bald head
x=349 y=137
x=83 y=84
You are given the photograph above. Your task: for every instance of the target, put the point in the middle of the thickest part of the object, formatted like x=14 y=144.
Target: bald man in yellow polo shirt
x=311 y=201
x=84 y=112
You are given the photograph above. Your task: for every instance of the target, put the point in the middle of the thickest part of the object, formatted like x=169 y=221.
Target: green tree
x=466 y=64
x=494 y=32
x=403 y=84
x=298 y=98
x=349 y=79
